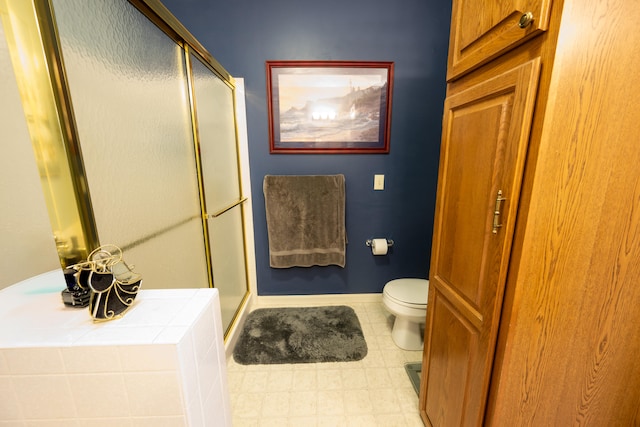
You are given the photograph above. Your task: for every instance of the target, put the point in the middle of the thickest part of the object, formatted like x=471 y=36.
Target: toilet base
x=406 y=334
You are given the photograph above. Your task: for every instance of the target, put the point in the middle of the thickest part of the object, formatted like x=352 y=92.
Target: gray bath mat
x=300 y=335
x=414 y=370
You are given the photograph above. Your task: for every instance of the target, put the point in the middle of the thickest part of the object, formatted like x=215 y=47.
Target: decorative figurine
x=112 y=283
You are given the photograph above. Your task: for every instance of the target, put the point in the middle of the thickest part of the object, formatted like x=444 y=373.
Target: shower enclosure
x=134 y=129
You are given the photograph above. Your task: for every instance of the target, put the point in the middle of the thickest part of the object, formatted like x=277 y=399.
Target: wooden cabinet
x=537 y=323
x=483 y=30
x=486 y=131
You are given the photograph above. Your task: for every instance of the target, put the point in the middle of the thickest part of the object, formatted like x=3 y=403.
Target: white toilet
x=407 y=300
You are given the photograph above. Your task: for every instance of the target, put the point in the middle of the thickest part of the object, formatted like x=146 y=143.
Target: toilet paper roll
x=379 y=246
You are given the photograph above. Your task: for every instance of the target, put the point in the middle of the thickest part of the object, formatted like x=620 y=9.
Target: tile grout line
x=373 y=391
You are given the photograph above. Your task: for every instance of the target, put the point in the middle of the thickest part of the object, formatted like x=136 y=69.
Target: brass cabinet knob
x=525 y=20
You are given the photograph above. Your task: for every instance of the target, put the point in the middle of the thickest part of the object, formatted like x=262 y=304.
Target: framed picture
x=329 y=106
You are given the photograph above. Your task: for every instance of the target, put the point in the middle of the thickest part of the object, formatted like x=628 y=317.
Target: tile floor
x=375 y=391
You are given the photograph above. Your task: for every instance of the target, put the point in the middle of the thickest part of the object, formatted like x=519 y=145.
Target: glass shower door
x=129 y=91
x=217 y=137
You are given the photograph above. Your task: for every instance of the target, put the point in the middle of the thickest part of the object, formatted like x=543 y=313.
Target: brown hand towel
x=305 y=220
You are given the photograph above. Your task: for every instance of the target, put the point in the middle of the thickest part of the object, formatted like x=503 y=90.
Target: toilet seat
x=411 y=293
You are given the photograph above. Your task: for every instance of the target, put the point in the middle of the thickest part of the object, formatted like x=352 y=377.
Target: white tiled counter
x=162 y=364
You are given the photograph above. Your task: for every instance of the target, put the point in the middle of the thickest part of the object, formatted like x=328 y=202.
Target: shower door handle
x=228 y=208
x=497 y=223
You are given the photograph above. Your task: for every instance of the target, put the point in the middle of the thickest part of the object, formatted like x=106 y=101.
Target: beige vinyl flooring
x=375 y=391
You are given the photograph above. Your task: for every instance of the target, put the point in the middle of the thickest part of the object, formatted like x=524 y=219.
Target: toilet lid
x=410 y=291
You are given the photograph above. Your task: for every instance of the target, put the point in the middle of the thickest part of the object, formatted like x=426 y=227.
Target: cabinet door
x=484 y=143
x=482 y=30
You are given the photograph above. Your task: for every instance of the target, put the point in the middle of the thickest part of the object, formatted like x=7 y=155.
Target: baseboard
x=331 y=299
x=234 y=332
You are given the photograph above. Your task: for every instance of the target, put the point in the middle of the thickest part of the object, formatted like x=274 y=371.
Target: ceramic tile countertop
x=162 y=363
x=32 y=314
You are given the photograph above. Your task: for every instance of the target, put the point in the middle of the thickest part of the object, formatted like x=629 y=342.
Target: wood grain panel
x=481 y=30
x=485 y=136
x=570 y=352
x=453 y=343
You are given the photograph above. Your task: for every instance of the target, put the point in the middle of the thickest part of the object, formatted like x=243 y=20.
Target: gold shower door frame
x=36 y=53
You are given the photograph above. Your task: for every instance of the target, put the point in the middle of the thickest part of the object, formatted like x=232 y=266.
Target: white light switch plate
x=378 y=182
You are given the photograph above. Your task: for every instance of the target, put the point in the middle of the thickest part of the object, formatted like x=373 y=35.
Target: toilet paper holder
x=369 y=242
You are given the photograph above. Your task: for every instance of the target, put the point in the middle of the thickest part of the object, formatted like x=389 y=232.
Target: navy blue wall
x=243 y=34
